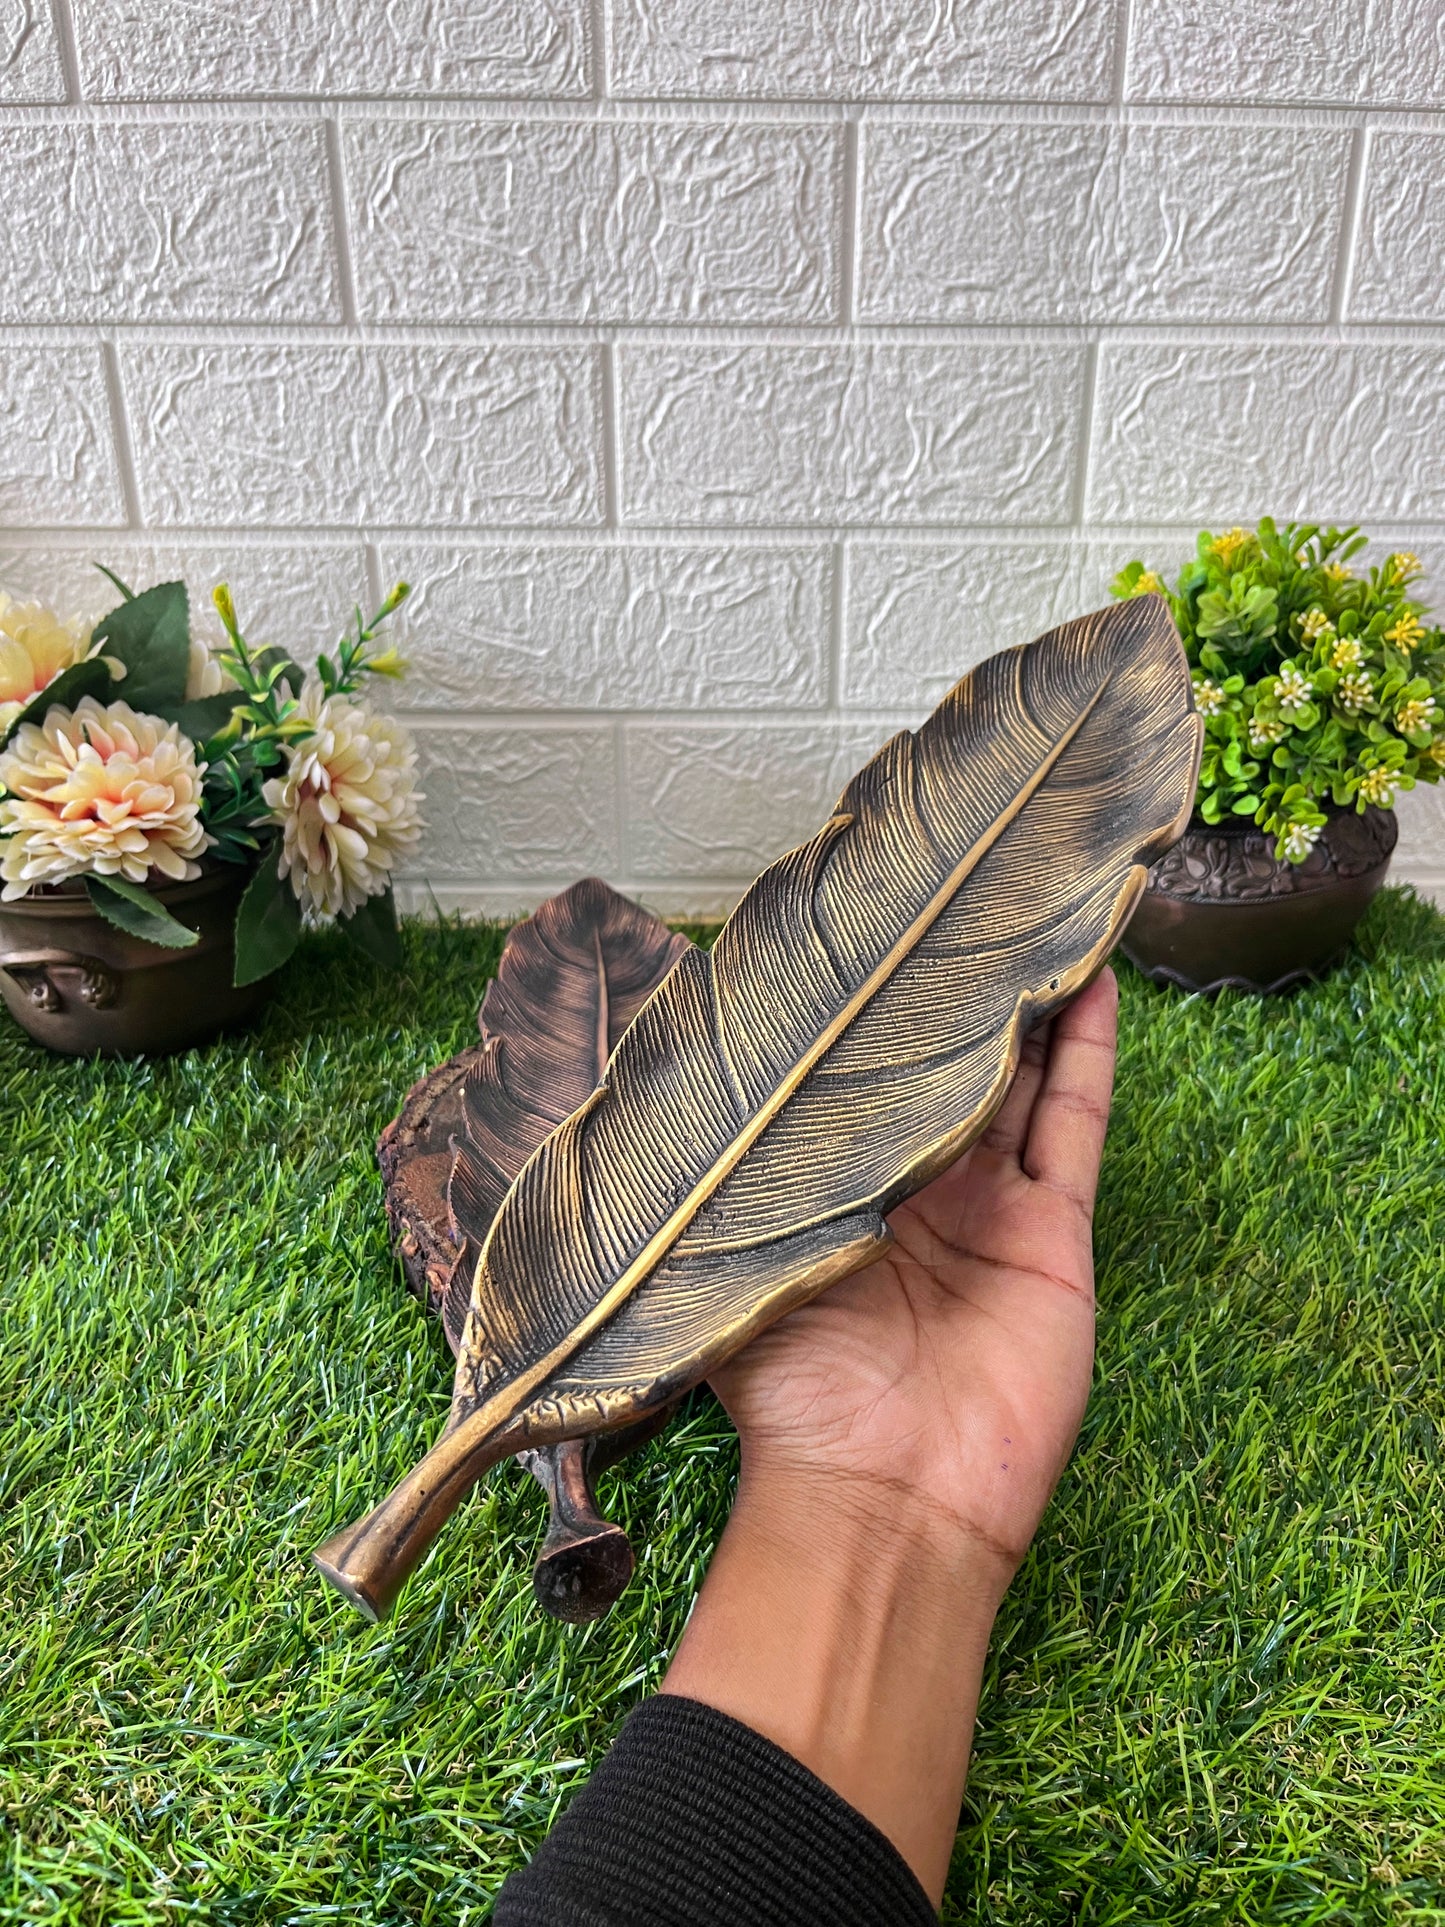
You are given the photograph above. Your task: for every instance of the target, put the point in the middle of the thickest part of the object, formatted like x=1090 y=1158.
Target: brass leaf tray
x=851 y=1032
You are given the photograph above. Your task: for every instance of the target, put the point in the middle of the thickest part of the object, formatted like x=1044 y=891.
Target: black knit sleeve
x=693 y=1820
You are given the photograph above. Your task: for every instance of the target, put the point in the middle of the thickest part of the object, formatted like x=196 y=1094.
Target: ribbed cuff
x=693 y=1820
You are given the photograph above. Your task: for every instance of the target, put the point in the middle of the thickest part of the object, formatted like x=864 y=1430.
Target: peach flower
x=99 y=791
x=347 y=804
x=35 y=646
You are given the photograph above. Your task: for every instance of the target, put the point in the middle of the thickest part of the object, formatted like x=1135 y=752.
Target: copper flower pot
x=1221 y=909
x=80 y=986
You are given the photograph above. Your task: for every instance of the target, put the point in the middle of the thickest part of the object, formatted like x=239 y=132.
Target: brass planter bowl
x=1220 y=909
x=80 y=986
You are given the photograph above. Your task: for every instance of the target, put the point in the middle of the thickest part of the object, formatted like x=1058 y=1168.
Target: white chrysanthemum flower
x=1348 y=653
x=1208 y=696
x=1299 y=840
x=1265 y=731
x=206 y=675
x=347 y=804
x=35 y=646
x=1314 y=624
x=99 y=791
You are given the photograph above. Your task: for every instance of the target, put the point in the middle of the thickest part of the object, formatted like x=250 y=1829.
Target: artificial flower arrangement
x=133 y=755
x=1319 y=688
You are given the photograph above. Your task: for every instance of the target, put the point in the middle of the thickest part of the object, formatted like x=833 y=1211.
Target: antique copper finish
x=1221 y=910
x=569 y=982
x=853 y=1030
x=80 y=986
x=415 y=1156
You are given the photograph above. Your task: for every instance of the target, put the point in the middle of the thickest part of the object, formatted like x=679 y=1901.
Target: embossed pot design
x=80 y=986
x=1221 y=909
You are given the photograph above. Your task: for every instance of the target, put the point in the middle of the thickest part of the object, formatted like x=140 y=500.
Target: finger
x=1071 y=1112
x=1008 y=1130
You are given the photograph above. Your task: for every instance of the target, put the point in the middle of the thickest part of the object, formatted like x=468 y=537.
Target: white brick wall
x=728 y=375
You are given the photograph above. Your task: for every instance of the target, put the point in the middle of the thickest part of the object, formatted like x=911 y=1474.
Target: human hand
x=901 y=1436
x=953 y=1372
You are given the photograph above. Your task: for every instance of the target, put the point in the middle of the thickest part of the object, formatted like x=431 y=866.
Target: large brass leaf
x=854 y=1028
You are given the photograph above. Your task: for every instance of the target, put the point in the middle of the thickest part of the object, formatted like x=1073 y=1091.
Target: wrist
x=848 y=1622
x=883 y=1515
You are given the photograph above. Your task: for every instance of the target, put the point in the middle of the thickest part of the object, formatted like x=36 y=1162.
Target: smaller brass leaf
x=567 y=985
x=570 y=981
x=415 y=1156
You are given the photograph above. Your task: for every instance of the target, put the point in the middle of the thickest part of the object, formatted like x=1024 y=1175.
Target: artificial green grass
x=1218 y=1686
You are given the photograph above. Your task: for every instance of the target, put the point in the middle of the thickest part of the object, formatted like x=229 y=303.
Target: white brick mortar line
x=611 y=441
x=597 y=19
x=1063 y=537
x=120 y=431
x=1086 y=434
x=1123 y=30
x=1355 y=186
x=341 y=225
x=963 y=536
x=69 y=57
x=852 y=193
x=722 y=112
x=822 y=334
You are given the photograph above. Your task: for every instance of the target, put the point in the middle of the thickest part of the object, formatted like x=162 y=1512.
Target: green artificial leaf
x=90 y=678
x=201 y=718
x=373 y=929
x=276 y=666
x=268 y=923
x=115 y=581
x=151 y=635
x=133 y=909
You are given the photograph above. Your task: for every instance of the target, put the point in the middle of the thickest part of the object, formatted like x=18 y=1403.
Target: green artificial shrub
x=1319 y=687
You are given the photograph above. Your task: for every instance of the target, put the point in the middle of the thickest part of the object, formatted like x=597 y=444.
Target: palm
x=956 y=1367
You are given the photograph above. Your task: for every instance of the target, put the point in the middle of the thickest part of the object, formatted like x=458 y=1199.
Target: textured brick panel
x=59 y=464
x=335 y=436
x=188 y=49
x=1421 y=849
x=299 y=598
x=1400 y=252
x=552 y=221
x=164 y=221
x=629 y=628
x=504 y=804
x=919 y=616
x=722 y=802
x=1366 y=53
x=870 y=50
x=29 y=53
x=984 y=433
x=823 y=523
x=1234 y=432
x=1005 y=223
